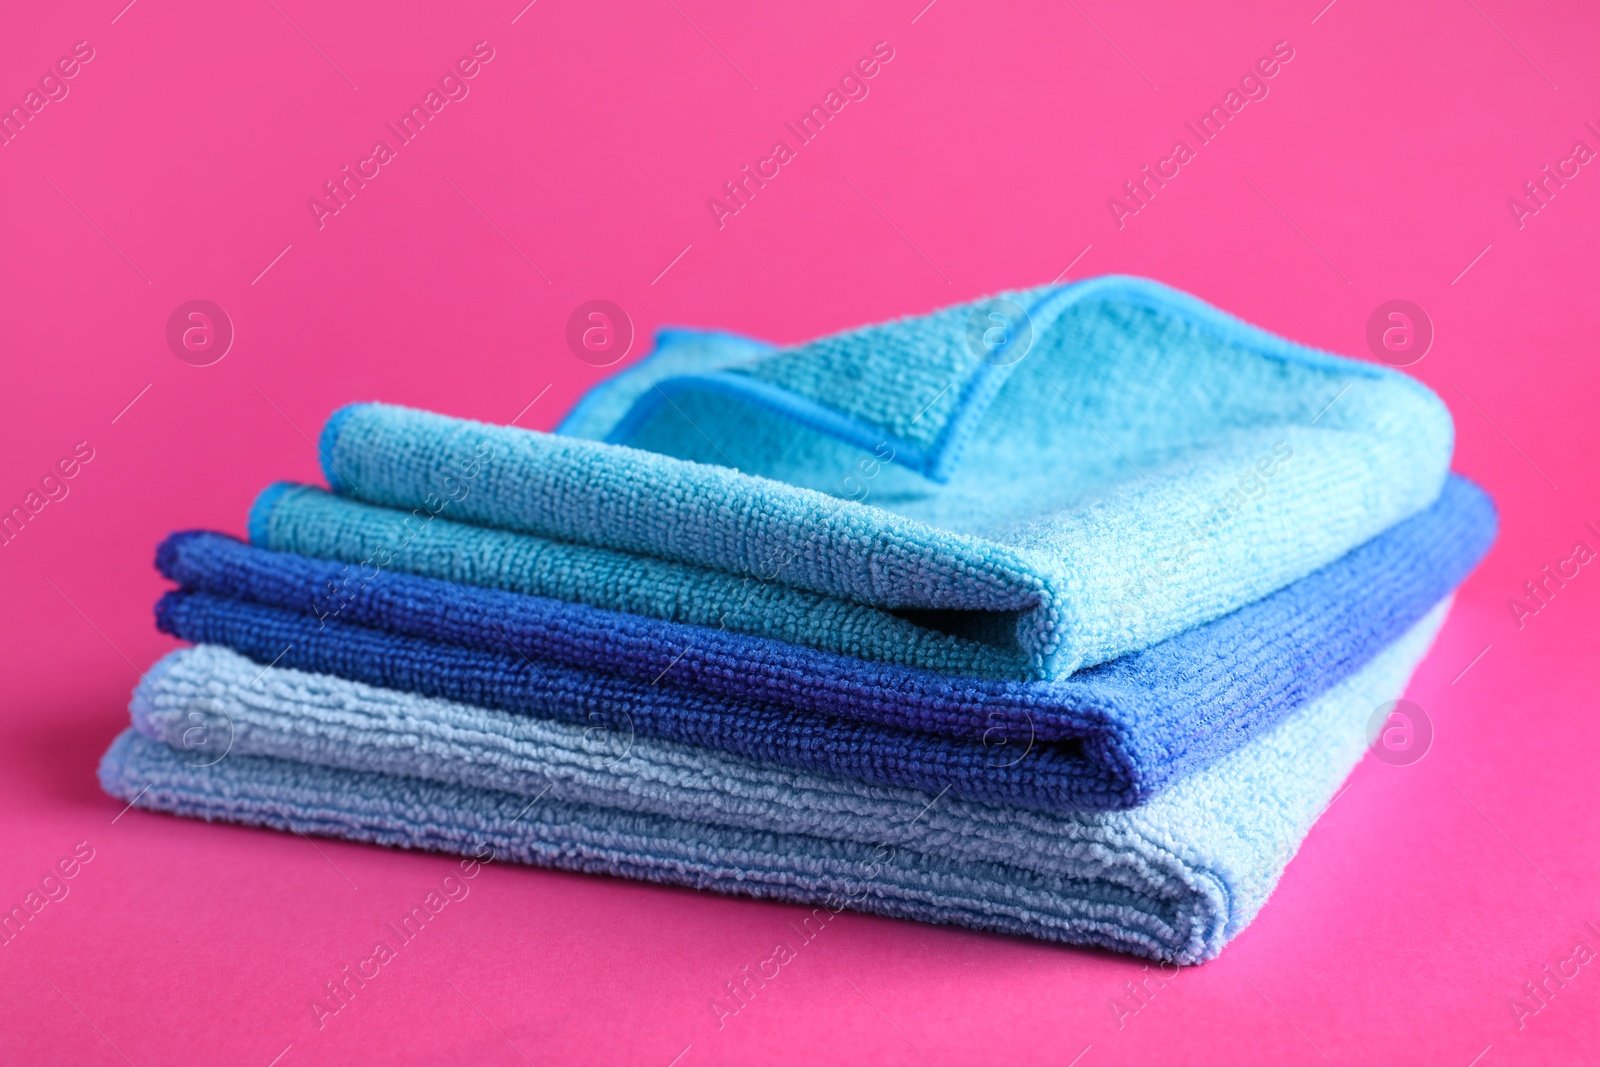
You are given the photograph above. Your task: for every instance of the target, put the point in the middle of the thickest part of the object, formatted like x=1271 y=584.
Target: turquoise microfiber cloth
x=1062 y=475
x=312 y=522
x=216 y=737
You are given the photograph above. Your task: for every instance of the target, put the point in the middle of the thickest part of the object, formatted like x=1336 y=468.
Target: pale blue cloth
x=1175 y=879
x=1122 y=464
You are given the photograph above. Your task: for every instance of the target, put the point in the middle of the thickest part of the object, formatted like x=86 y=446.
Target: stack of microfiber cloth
x=1061 y=614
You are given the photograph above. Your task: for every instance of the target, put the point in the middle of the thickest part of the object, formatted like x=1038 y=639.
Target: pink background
x=178 y=167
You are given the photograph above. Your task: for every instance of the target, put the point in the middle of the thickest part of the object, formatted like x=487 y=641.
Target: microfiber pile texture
x=1173 y=880
x=1128 y=464
x=1108 y=738
x=310 y=521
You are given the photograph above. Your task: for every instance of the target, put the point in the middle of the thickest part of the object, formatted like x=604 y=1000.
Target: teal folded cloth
x=1061 y=475
x=216 y=737
x=309 y=521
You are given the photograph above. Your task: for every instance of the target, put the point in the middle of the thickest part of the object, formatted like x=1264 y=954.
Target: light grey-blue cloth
x=1175 y=879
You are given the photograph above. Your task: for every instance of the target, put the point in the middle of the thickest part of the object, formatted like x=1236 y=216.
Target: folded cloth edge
x=1332 y=733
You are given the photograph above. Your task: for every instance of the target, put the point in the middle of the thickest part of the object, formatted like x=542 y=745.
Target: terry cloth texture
x=1175 y=879
x=1109 y=737
x=1109 y=464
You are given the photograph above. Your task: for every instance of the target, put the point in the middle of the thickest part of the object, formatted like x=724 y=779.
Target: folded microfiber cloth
x=313 y=522
x=1174 y=880
x=1066 y=474
x=1109 y=737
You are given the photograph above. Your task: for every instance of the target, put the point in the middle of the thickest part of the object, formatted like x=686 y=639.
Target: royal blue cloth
x=1109 y=737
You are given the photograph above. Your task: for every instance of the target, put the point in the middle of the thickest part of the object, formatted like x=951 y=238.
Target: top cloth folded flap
x=1073 y=472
